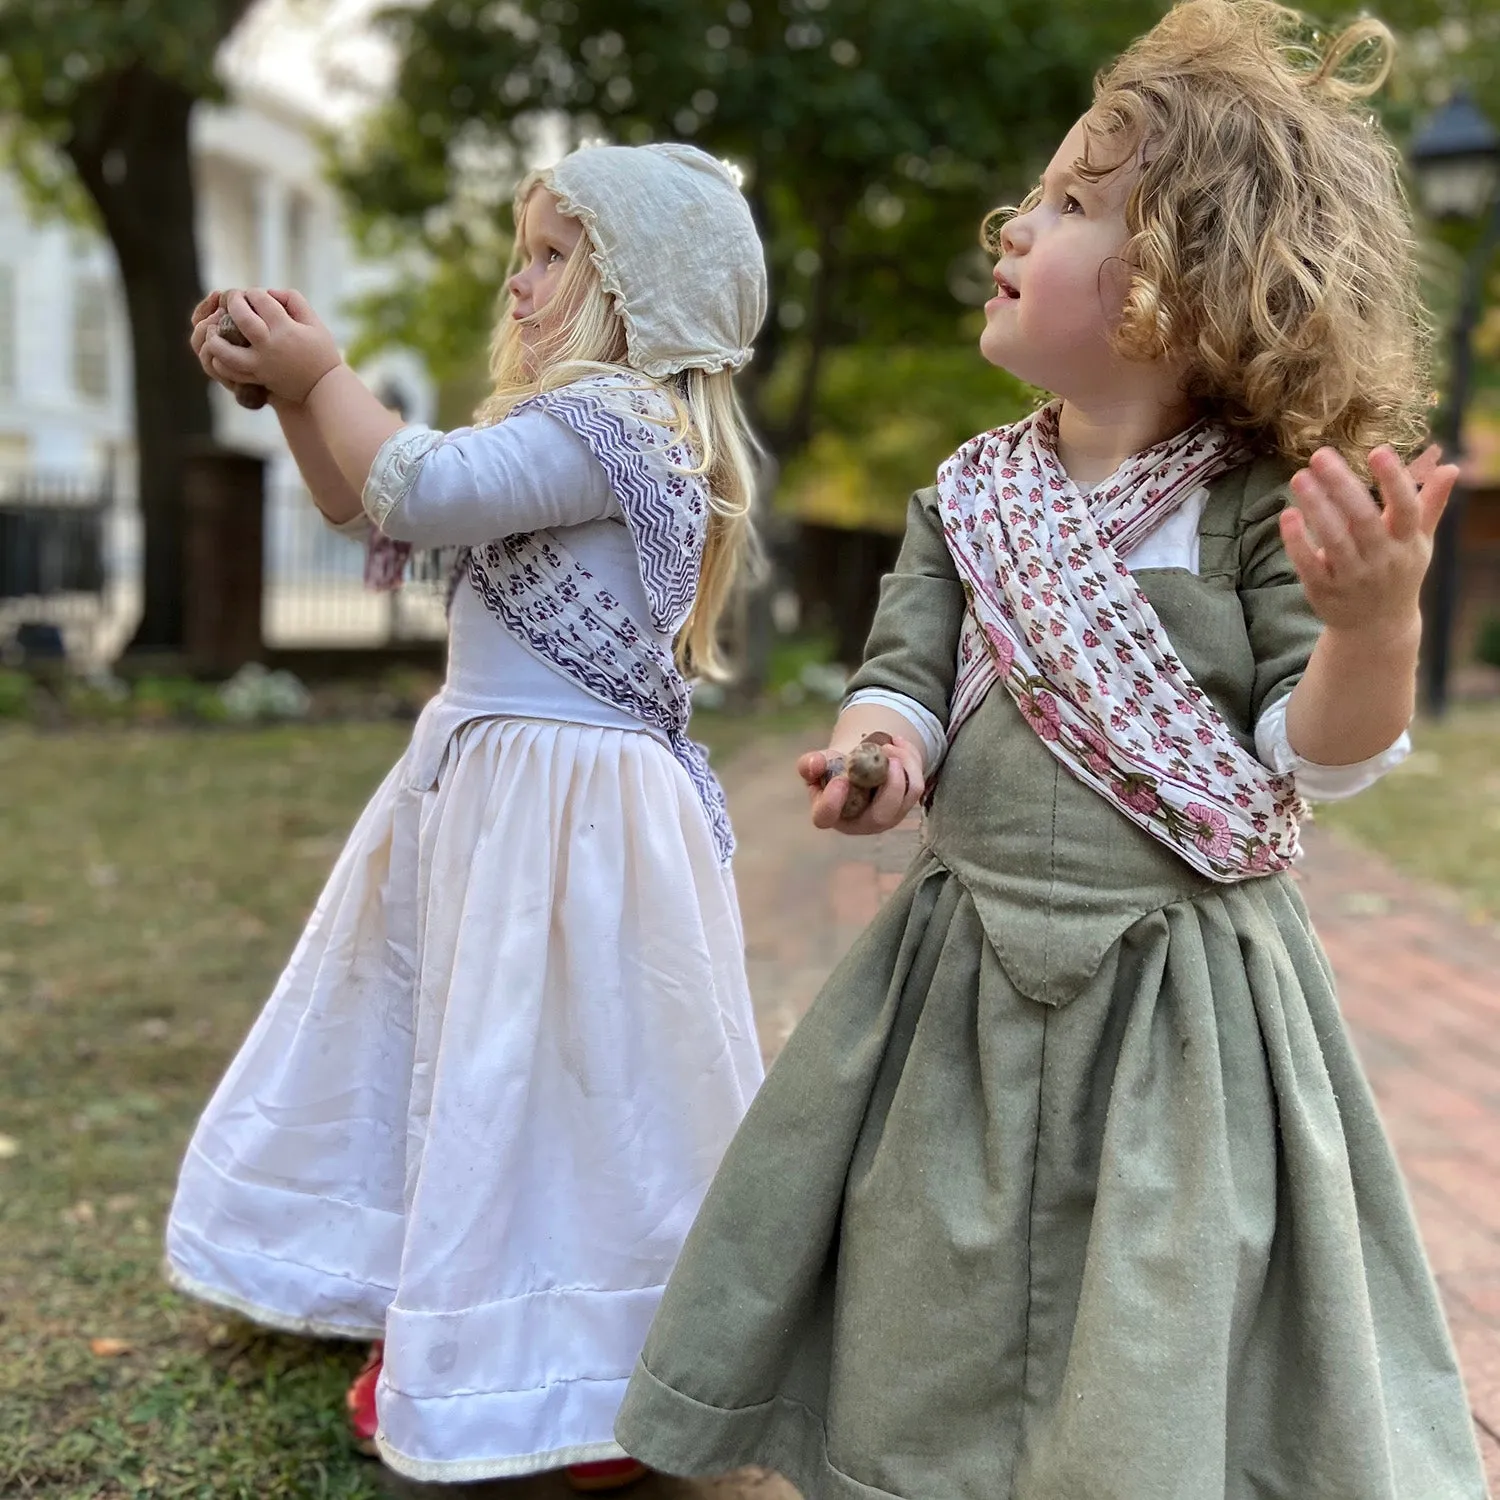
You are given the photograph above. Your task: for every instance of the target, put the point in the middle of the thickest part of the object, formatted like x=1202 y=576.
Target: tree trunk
x=130 y=146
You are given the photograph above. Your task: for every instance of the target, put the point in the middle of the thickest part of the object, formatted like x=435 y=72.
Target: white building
x=266 y=217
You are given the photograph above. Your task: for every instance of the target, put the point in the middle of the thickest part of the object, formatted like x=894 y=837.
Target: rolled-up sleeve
x=468 y=487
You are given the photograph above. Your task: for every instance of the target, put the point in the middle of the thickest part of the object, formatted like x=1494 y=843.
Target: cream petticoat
x=484 y=1102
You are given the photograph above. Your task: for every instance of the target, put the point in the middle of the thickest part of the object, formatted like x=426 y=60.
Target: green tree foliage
x=873 y=135
x=107 y=87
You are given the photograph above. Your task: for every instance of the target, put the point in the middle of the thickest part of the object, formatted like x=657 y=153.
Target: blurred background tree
x=95 y=100
x=873 y=135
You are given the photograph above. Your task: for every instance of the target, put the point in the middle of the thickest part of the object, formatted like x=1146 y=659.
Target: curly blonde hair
x=1272 y=248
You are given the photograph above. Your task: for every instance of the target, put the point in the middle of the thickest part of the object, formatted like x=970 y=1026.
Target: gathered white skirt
x=480 y=1110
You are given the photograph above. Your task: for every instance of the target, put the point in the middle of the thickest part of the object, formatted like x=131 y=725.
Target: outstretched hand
x=290 y=350
x=1362 y=563
x=902 y=790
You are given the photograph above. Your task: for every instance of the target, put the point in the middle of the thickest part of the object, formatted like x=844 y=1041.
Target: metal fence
x=70 y=563
x=61 y=588
x=314 y=586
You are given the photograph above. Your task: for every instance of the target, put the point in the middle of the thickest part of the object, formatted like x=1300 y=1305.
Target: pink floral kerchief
x=1056 y=616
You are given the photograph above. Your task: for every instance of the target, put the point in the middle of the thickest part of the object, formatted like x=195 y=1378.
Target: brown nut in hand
x=866 y=767
x=249 y=395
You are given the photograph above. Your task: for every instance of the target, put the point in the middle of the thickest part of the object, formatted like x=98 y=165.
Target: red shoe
x=359 y=1402
x=612 y=1474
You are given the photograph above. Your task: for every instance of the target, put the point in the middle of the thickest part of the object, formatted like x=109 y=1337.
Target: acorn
x=249 y=395
x=866 y=767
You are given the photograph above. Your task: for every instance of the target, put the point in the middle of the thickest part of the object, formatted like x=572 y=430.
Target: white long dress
x=481 y=1107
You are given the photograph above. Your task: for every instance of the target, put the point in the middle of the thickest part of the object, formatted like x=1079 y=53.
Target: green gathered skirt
x=1151 y=1244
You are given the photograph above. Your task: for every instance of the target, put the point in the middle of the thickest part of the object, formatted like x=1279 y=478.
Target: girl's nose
x=1015 y=234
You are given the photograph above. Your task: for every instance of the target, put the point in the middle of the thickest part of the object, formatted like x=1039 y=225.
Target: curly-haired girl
x=1069 y=1187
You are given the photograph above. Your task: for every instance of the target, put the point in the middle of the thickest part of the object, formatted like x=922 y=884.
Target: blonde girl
x=1070 y=1187
x=476 y=1117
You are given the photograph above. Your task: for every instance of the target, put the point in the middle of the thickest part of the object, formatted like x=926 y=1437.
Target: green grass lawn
x=1437 y=818
x=151 y=887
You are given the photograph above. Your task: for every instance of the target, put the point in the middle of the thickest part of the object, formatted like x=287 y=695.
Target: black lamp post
x=1455 y=158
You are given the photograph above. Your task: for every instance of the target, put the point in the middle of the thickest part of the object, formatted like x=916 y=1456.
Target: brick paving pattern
x=1420 y=987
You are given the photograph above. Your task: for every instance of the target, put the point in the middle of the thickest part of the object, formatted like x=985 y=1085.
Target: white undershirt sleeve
x=927 y=730
x=1320 y=783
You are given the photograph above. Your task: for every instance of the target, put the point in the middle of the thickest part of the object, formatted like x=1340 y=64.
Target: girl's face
x=1061 y=282
x=547 y=241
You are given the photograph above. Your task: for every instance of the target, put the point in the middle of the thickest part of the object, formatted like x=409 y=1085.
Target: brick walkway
x=1420 y=986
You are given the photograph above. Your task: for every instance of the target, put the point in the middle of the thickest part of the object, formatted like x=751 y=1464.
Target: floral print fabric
x=1056 y=617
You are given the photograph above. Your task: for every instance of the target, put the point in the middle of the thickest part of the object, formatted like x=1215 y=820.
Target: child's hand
x=1362 y=565
x=901 y=792
x=205 y=321
x=290 y=349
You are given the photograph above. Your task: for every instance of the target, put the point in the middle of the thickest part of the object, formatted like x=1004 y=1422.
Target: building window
x=91 y=341
x=7 y=331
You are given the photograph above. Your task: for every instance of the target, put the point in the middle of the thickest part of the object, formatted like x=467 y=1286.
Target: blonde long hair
x=1272 y=249
x=590 y=340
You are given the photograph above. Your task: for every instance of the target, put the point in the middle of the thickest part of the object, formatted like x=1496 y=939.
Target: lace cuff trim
x=395 y=470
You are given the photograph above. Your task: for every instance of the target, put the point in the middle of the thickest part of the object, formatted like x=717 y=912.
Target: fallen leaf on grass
x=9 y=1147
x=109 y=1348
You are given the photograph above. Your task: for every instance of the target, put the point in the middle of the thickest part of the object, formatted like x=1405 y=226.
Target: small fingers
x=828 y=805
x=1309 y=561
x=1435 y=495
x=810 y=767
x=1321 y=516
x=1350 y=511
x=1422 y=467
x=1398 y=494
x=227 y=360
x=246 y=318
x=205 y=309
x=297 y=306
x=888 y=806
x=266 y=306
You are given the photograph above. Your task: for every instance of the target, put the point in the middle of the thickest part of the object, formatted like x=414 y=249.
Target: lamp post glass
x=1455 y=158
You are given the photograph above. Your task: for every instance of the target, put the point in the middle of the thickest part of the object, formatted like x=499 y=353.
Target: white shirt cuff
x=1320 y=783
x=930 y=733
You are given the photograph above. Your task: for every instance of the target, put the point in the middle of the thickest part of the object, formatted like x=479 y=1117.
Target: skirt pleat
x=1148 y=1245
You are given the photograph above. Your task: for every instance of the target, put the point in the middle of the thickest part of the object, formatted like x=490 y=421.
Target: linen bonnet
x=675 y=246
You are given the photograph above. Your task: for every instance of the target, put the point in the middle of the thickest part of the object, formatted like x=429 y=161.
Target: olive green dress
x=1069 y=1186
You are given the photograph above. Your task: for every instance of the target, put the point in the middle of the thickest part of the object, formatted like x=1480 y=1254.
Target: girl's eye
x=555 y=256
x=1071 y=205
